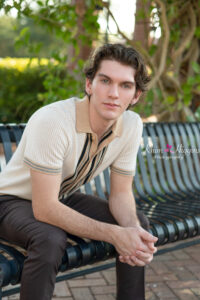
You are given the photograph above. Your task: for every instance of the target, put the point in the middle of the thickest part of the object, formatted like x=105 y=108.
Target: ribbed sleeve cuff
x=40 y=168
x=122 y=172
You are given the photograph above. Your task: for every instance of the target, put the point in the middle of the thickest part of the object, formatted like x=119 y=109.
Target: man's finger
x=152 y=247
x=137 y=261
x=145 y=257
x=148 y=236
x=142 y=255
x=127 y=260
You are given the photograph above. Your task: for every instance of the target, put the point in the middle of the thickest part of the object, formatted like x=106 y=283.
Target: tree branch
x=193 y=57
x=188 y=54
x=131 y=42
x=165 y=44
x=182 y=11
x=49 y=20
x=174 y=82
x=189 y=35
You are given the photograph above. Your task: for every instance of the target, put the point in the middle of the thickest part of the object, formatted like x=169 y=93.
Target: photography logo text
x=170 y=152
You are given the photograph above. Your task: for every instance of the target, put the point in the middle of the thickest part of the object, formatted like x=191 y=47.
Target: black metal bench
x=166 y=188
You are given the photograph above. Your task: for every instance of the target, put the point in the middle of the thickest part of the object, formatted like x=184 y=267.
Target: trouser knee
x=49 y=246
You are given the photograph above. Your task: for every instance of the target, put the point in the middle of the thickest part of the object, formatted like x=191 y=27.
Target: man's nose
x=113 y=91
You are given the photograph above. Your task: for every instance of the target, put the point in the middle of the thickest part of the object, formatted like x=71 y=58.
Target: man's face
x=112 y=90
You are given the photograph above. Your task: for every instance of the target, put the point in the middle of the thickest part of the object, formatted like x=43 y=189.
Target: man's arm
x=48 y=209
x=123 y=208
x=121 y=200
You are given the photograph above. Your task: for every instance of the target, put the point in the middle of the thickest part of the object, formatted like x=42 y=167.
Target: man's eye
x=105 y=80
x=126 y=86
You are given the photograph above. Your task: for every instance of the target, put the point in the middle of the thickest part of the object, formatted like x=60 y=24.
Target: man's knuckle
x=149 y=260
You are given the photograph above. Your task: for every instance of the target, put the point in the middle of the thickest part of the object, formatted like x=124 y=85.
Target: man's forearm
x=123 y=209
x=73 y=222
x=127 y=241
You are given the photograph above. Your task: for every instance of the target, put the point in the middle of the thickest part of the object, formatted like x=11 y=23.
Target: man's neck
x=98 y=125
x=100 y=129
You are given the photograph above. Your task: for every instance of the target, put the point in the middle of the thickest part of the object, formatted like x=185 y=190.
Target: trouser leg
x=45 y=246
x=130 y=280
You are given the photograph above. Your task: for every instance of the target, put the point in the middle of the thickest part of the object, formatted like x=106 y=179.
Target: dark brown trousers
x=45 y=245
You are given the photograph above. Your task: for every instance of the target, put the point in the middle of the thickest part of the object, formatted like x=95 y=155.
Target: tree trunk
x=84 y=49
x=142 y=24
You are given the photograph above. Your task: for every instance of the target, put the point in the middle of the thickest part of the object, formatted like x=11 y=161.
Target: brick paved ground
x=175 y=275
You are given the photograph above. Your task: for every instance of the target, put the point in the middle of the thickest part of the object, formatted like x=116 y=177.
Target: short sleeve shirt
x=58 y=139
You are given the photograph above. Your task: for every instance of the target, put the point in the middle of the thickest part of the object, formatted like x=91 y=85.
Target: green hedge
x=19 y=93
x=23 y=92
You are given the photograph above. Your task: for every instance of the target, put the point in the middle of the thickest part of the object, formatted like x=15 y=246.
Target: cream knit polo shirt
x=58 y=139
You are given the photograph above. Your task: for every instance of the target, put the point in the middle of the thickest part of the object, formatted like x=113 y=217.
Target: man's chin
x=110 y=118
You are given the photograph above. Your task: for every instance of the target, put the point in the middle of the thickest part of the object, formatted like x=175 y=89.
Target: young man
x=64 y=145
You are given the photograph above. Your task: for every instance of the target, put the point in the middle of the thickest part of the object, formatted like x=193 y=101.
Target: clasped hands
x=136 y=246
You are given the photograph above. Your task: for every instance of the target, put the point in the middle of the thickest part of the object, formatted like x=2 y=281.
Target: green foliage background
x=55 y=32
x=61 y=29
x=18 y=101
x=24 y=38
x=36 y=86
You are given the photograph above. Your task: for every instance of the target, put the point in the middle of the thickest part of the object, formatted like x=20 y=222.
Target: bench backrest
x=168 y=160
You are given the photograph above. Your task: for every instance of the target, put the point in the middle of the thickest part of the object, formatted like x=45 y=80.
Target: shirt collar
x=82 y=119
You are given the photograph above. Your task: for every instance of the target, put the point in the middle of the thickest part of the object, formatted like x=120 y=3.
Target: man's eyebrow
x=125 y=81
x=103 y=75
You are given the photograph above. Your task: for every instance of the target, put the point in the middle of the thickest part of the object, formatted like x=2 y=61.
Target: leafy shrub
x=24 y=88
x=18 y=93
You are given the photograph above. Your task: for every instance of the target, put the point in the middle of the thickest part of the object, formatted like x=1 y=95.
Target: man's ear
x=88 y=86
x=136 y=97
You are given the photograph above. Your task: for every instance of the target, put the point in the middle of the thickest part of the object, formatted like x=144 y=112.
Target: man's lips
x=112 y=105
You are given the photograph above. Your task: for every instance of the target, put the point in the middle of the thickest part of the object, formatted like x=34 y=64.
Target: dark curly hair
x=122 y=54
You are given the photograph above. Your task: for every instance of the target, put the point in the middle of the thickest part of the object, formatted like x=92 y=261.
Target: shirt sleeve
x=125 y=163
x=46 y=142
